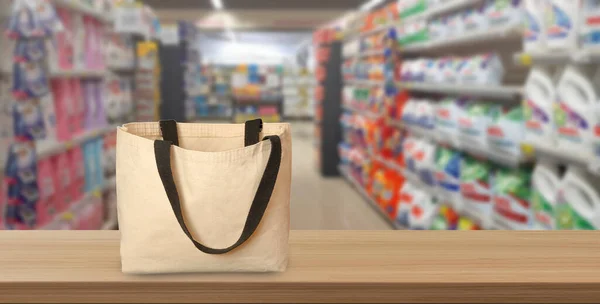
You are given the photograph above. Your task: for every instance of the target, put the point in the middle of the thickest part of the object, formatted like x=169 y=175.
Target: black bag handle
x=252 y=129
x=162 y=152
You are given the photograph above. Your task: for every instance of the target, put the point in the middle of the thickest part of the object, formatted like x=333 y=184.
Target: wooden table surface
x=325 y=266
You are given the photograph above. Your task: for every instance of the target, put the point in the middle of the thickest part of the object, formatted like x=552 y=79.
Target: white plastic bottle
x=545 y=182
x=534 y=38
x=590 y=27
x=575 y=117
x=538 y=107
x=563 y=18
x=578 y=201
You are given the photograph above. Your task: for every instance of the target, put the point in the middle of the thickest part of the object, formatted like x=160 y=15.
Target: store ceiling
x=258 y=4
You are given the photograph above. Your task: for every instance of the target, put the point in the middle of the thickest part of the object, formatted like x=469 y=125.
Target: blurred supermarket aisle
x=324 y=203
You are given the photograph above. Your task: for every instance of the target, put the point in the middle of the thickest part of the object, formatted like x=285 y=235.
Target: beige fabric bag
x=215 y=170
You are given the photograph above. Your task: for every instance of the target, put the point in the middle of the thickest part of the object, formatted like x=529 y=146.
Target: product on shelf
x=473 y=123
x=417 y=208
x=447 y=176
x=446 y=219
x=575 y=116
x=539 y=107
x=511 y=195
x=120 y=51
x=384 y=187
x=563 y=28
x=589 y=27
x=475 y=188
x=503 y=12
x=147 y=82
x=481 y=69
x=545 y=185
x=505 y=132
x=578 y=201
x=535 y=34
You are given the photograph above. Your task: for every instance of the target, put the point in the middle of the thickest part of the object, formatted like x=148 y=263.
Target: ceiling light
x=370 y=4
x=217 y=4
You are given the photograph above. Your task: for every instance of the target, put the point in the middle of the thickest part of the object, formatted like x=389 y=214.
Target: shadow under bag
x=203 y=197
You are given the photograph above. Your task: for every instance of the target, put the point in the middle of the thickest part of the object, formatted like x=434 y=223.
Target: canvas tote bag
x=203 y=197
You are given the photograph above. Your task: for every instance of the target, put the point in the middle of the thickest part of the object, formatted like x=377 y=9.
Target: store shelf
x=359 y=188
x=529 y=59
x=49 y=150
x=562 y=155
x=496 y=156
x=551 y=57
x=78 y=74
x=79 y=7
x=475 y=37
x=489 y=91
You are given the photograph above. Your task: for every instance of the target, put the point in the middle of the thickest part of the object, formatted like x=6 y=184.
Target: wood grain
x=325 y=267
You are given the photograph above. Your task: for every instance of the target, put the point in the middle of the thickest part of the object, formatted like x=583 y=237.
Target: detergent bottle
x=575 y=117
x=562 y=32
x=545 y=182
x=578 y=201
x=538 y=107
x=590 y=27
x=534 y=36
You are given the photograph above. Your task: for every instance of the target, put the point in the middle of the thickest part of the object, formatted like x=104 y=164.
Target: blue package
x=21 y=167
x=24 y=21
x=29 y=50
x=28 y=121
x=29 y=80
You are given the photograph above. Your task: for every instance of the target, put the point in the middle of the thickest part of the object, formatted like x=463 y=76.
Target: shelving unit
x=75 y=155
x=501 y=42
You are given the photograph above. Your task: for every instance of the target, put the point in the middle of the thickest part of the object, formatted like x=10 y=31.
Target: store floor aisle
x=324 y=203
